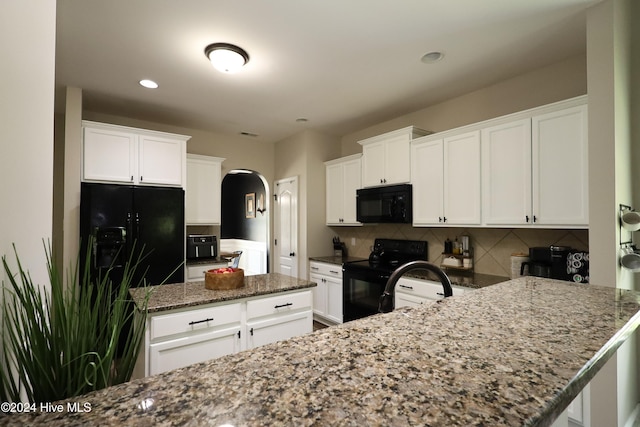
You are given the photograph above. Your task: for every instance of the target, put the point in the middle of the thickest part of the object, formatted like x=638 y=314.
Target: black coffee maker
x=547 y=261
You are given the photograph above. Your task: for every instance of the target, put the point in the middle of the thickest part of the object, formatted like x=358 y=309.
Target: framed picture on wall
x=250 y=205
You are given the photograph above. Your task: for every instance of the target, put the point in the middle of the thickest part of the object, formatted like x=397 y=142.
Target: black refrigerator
x=126 y=218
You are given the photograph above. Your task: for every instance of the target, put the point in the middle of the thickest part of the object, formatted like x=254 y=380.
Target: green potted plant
x=70 y=339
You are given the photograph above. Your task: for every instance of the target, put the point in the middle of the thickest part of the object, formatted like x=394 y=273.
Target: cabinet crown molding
x=140 y=131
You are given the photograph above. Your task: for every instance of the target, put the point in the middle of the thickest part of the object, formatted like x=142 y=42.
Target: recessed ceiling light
x=226 y=57
x=150 y=84
x=302 y=120
x=431 y=57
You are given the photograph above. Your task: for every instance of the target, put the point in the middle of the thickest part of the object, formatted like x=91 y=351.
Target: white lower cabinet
x=327 y=296
x=278 y=328
x=178 y=338
x=410 y=292
x=182 y=337
x=176 y=353
x=278 y=318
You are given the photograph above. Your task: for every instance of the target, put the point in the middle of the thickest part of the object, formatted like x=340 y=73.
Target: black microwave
x=391 y=204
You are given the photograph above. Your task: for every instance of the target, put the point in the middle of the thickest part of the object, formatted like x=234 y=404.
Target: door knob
x=292 y=254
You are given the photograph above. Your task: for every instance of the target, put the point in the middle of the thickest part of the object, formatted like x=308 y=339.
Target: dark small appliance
x=392 y=204
x=363 y=282
x=548 y=261
x=201 y=246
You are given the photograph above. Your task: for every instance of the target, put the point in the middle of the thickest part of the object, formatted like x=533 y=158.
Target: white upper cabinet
x=445 y=174
x=121 y=154
x=527 y=169
x=462 y=179
x=535 y=169
x=204 y=188
x=386 y=157
x=560 y=167
x=109 y=154
x=160 y=160
x=506 y=174
x=343 y=179
x=427 y=177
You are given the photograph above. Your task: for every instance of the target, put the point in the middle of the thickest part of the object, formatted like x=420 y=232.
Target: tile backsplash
x=492 y=247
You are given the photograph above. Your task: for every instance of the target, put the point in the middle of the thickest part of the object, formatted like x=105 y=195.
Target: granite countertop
x=338 y=260
x=180 y=295
x=516 y=353
x=465 y=279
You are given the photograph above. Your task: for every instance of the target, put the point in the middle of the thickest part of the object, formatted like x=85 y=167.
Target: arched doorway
x=245 y=219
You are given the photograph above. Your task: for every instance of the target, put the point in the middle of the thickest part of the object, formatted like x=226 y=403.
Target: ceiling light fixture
x=225 y=57
x=431 y=57
x=149 y=84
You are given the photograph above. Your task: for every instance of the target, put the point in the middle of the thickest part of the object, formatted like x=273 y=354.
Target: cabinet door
x=161 y=160
x=397 y=168
x=335 y=194
x=179 y=352
x=506 y=174
x=203 y=191
x=427 y=179
x=334 y=299
x=560 y=167
x=319 y=293
x=352 y=177
x=405 y=300
x=373 y=163
x=462 y=179
x=279 y=328
x=109 y=155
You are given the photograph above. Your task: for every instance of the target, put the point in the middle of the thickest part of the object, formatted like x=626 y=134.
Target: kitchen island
x=515 y=353
x=187 y=323
x=191 y=294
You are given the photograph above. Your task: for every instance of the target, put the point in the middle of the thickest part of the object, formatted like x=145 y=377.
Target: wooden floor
x=318 y=325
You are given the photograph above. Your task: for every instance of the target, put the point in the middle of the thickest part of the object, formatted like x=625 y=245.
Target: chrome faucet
x=386 y=299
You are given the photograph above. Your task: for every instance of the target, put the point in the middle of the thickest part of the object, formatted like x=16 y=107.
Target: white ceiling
x=342 y=64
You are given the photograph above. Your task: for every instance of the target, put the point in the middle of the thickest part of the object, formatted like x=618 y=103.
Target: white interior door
x=286 y=227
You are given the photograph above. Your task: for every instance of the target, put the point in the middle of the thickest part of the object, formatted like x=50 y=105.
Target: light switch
x=353 y=241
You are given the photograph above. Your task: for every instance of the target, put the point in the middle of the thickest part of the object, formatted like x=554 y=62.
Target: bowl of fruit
x=224 y=278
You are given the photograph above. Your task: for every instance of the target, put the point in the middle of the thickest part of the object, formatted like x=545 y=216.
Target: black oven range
x=364 y=281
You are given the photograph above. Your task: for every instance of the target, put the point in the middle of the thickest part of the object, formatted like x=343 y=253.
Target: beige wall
x=26 y=134
x=556 y=82
x=614 y=392
x=302 y=155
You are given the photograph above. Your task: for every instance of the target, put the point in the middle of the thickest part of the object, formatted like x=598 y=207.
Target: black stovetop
x=389 y=254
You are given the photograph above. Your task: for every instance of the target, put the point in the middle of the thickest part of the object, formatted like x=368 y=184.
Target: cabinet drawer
x=423 y=288
x=326 y=269
x=163 y=325
x=279 y=304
